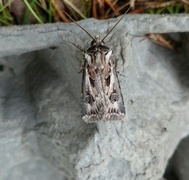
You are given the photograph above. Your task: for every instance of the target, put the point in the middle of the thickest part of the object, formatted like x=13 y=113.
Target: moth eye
x=89 y=99
x=93 y=42
x=114 y=97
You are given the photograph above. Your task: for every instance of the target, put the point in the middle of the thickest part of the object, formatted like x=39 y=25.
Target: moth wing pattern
x=101 y=97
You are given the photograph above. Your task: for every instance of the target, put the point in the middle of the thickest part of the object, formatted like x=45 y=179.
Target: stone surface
x=42 y=134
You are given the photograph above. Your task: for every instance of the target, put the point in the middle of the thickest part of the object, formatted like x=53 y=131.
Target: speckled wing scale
x=101 y=97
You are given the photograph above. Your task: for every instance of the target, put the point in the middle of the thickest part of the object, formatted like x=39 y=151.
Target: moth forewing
x=101 y=93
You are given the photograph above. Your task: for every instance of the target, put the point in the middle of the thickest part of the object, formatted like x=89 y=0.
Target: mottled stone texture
x=42 y=135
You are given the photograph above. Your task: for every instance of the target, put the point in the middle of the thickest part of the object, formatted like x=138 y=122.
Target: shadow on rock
x=58 y=133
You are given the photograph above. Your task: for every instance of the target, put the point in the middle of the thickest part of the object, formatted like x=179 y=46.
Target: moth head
x=97 y=41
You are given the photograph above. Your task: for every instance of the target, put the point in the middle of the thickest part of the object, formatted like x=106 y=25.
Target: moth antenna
x=80 y=26
x=116 y=24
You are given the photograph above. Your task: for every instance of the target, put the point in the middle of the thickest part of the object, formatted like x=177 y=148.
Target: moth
x=101 y=97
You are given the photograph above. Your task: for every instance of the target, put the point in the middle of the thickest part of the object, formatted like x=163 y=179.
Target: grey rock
x=42 y=134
